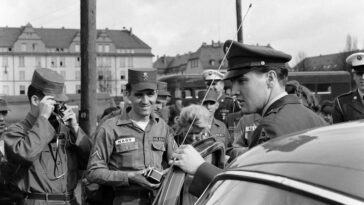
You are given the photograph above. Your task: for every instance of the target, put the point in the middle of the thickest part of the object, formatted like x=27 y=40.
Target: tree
x=351 y=43
x=300 y=64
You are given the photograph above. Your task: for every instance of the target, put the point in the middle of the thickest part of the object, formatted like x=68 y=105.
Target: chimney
x=131 y=31
x=204 y=44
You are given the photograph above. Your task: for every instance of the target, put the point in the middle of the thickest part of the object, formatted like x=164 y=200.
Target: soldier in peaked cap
x=350 y=106
x=217 y=128
x=258 y=75
x=227 y=104
x=127 y=146
x=48 y=147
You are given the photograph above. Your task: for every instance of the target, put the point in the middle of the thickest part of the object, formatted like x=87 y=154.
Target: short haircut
x=34 y=91
x=282 y=72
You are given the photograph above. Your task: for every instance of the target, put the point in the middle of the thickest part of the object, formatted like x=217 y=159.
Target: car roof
x=331 y=157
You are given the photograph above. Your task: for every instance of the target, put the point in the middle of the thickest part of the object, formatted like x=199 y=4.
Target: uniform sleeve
x=203 y=176
x=27 y=145
x=83 y=144
x=337 y=115
x=97 y=169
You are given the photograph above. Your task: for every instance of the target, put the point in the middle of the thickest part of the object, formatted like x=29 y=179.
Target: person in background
x=350 y=106
x=161 y=103
x=174 y=112
x=4 y=109
x=196 y=116
x=326 y=110
x=217 y=128
x=227 y=105
x=258 y=74
x=48 y=148
x=128 y=146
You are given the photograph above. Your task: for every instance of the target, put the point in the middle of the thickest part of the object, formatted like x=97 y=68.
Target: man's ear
x=34 y=100
x=271 y=76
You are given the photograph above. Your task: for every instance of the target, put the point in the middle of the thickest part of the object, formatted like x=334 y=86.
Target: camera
x=153 y=175
x=59 y=108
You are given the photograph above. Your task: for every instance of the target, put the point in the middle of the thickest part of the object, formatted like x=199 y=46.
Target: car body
x=319 y=166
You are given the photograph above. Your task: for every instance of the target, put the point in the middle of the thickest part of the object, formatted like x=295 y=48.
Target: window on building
x=22 y=90
x=122 y=75
x=107 y=48
x=78 y=89
x=64 y=89
x=122 y=62
x=10 y=49
x=78 y=75
x=130 y=62
x=99 y=62
x=77 y=48
x=99 y=48
x=62 y=61
x=21 y=61
x=34 y=46
x=22 y=75
x=54 y=62
x=100 y=75
x=38 y=62
x=194 y=63
x=212 y=62
x=6 y=89
x=78 y=62
x=5 y=61
x=23 y=47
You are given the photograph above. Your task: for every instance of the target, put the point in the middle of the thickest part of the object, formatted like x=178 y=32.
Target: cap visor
x=144 y=86
x=235 y=73
x=163 y=93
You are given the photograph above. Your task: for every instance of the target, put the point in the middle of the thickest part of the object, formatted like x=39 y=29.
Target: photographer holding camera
x=48 y=147
x=131 y=150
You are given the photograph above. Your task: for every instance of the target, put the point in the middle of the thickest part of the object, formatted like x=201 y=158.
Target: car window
x=244 y=192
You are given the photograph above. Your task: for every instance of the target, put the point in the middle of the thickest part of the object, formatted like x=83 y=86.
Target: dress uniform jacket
x=121 y=146
x=246 y=125
x=284 y=116
x=45 y=167
x=348 y=107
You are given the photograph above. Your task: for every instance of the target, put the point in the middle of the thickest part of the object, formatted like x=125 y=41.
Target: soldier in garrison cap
x=227 y=105
x=161 y=104
x=350 y=106
x=217 y=128
x=258 y=75
x=47 y=148
x=129 y=145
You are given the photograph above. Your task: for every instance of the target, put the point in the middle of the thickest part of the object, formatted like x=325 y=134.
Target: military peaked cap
x=242 y=58
x=356 y=61
x=162 y=89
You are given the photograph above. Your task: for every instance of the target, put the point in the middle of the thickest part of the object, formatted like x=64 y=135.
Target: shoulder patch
x=263 y=136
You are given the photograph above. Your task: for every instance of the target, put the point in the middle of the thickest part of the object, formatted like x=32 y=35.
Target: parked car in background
x=319 y=166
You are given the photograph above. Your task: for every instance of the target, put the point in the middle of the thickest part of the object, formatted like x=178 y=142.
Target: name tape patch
x=125 y=140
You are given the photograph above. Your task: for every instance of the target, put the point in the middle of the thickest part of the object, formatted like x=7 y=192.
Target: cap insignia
x=359 y=58
x=262 y=63
x=145 y=76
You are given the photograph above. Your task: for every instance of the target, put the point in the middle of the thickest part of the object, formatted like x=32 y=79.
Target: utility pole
x=87 y=115
x=239 y=21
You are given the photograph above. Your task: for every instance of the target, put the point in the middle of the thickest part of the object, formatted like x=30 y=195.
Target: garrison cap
x=3 y=105
x=162 y=89
x=212 y=95
x=356 y=60
x=242 y=58
x=142 y=79
x=49 y=82
x=212 y=75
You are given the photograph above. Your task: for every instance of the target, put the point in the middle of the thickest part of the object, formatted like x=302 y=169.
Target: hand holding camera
x=46 y=106
x=67 y=115
x=139 y=177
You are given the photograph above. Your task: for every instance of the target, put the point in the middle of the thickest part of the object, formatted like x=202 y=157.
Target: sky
x=171 y=27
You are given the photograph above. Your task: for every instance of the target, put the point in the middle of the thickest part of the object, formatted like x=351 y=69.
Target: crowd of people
x=46 y=155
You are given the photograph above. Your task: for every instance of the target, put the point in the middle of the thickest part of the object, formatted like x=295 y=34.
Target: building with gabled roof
x=205 y=57
x=23 y=49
